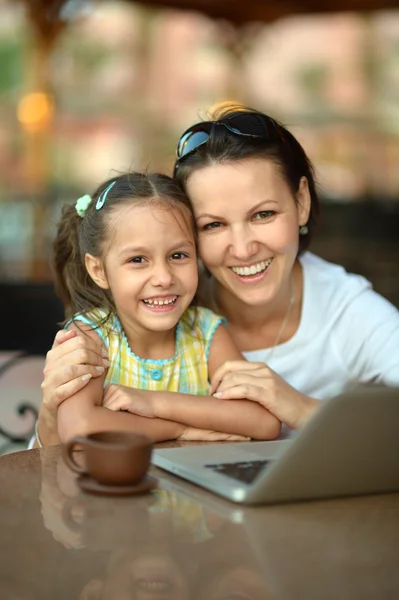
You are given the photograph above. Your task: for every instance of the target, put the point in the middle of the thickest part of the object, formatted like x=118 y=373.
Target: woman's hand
x=70 y=364
x=256 y=381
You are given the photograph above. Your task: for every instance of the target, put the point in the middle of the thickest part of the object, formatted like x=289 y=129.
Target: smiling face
x=248 y=226
x=150 y=266
x=154 y=576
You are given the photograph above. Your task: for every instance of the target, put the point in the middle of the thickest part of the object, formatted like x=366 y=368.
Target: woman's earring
x=303 y=230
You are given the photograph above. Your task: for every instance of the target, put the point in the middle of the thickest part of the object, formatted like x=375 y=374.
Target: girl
x=126 y=270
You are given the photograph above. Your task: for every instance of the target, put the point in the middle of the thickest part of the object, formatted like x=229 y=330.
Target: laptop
x=350 y=447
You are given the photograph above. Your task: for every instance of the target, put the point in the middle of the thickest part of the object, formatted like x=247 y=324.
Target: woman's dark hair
x=91 y=233
x=279 y=146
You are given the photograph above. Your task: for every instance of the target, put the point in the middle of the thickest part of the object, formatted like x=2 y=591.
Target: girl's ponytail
x=73 y=285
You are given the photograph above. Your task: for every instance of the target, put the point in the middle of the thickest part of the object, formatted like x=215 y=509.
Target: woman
x=310 y=330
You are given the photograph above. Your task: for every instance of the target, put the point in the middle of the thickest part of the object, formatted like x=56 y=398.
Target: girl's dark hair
x=78 y=235
x=279 y=146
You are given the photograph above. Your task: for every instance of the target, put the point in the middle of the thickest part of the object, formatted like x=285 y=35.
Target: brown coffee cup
x=112 y=458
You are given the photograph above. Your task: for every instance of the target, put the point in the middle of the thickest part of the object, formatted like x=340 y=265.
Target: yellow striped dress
x=186 y=372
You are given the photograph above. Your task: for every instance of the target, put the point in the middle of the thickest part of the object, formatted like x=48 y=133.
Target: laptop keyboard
x=243 y=471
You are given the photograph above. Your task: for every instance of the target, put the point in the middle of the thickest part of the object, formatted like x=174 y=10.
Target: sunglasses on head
x=254 y=125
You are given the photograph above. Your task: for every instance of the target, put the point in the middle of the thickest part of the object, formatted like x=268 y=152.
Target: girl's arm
x=83 y=413
x=241 y=417
x=73 y=357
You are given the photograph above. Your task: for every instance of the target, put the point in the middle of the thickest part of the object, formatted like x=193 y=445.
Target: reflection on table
x=180 y=542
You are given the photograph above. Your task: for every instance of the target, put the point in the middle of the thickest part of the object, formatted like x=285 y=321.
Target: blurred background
x=92 y=87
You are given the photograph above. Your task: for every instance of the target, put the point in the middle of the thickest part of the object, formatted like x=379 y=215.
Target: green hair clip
x=82 y=205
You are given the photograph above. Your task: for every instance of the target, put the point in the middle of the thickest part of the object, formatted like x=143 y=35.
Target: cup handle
x=68 y=457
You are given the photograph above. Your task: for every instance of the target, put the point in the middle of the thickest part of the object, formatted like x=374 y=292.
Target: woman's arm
x=241 y=417
x=70 y=364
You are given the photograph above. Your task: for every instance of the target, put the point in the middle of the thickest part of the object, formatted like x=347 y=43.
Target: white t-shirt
x=348 y=334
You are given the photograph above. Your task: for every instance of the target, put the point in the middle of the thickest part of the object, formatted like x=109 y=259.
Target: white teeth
x=253 y=269
x=160 y=302
x=154 y=586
